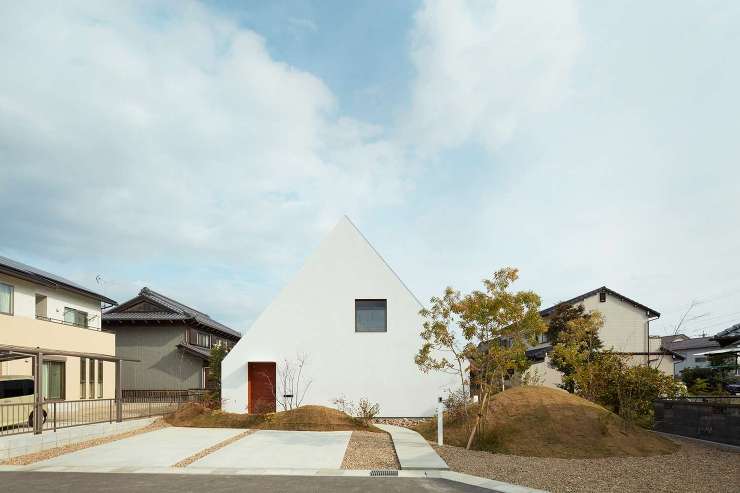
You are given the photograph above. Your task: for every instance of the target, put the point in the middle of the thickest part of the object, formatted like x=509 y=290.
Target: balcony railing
x=64 y=322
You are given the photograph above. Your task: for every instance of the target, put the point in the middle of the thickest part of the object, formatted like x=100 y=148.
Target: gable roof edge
x=384 y=261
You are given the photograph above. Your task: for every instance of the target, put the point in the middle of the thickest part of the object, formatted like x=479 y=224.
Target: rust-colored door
x=261 y=387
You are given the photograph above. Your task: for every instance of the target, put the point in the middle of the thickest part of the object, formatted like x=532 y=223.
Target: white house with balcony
x=357 y=325
x=40 y=311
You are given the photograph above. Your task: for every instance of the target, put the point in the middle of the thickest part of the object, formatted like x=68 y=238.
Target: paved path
x=44 y=482
x=163 y=448
x=281 y=450
x=412 y=449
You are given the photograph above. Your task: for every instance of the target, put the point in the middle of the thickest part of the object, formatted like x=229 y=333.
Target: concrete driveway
x=267 y=449
x=159 y=448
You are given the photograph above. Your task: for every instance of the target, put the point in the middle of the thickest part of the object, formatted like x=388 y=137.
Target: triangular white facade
x=315 y=315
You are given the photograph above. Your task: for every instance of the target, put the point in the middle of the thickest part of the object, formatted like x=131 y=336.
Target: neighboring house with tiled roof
x=690 y=348
x=171 y=340
x=626 y=330
x=728 y=336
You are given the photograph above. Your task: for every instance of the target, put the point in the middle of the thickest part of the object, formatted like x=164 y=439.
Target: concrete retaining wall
x=717 y=422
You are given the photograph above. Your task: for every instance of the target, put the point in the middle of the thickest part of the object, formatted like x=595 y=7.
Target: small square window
x=371 y=316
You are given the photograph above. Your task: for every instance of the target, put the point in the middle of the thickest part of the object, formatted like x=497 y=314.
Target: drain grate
x=384 y=473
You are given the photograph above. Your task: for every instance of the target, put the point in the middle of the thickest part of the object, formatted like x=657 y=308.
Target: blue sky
x=203 y=149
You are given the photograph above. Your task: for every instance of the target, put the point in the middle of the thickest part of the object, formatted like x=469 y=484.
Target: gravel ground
x=24 y=460
x=694 y=467
x=405 y=422
x=368 y=450
x=189 y=460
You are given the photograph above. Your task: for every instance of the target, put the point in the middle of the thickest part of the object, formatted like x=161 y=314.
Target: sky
x=204 y=149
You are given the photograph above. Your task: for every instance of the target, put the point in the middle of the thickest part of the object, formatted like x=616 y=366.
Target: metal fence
x=18 y=418
x=709 y=399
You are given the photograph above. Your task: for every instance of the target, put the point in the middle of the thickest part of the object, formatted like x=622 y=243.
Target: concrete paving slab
x=412 y=449
x=270 y=449
x=163 y=448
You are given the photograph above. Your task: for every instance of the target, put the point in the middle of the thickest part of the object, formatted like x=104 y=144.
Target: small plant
x=532 y=377
x=364 y=410
x=456 y=403
x=345 y=405
x=367 y=410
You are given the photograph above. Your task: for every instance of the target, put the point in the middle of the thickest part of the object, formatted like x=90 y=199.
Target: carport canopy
x=9 y=353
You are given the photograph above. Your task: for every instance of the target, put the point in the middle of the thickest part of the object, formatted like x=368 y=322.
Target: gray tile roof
x=173 y=310
x=649 y=311
x=728 y=335
x=197 y=351
x=19 y=269
x=692 y=343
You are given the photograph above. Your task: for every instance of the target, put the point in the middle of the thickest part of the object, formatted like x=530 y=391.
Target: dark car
x=733 y=388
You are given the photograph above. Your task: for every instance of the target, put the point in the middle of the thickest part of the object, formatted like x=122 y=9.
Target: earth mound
x=545 y=422
x=304 y=418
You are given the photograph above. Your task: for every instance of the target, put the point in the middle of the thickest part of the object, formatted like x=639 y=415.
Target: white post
x=440 y=421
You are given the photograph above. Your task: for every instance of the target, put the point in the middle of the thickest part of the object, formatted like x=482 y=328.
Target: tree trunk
x=477 y=420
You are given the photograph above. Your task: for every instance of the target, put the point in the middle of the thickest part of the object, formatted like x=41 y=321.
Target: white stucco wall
x=23 y=329
x=24 y=301
x=315 y=315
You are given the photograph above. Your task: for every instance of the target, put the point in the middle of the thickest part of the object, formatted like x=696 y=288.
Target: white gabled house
x=358 y=326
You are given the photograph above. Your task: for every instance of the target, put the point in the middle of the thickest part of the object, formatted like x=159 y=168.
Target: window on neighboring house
x=75 y=317
x=100 y=379
x=700 y=359
x=201 y=339
x=83 y=378
x=92 y=378
x=41 y=311
x=6 y=299
x=371 y=316
x=602 y=296
x=53 y=380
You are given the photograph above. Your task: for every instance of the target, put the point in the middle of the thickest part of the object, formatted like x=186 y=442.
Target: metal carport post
x=8 y=352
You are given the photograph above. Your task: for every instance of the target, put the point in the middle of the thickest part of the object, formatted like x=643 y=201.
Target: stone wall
x=715 y=421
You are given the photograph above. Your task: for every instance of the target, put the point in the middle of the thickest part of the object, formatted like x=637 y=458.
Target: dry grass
x=24 y=460
x=545 y=422
x=189 y=460
x=694 y=467
x=368 y=450
x=304 y=418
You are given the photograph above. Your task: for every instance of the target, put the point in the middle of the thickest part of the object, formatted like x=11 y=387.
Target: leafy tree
x=443 y=350
x=218 y=353
x=578 y=344
x=709 y=376
x=498 y=325
x=561 y=316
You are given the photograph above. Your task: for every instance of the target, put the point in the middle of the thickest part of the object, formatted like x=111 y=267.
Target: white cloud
x=140 y=129
x=484 y=68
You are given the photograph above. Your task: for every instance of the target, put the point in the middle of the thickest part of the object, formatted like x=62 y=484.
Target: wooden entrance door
x=261 y=387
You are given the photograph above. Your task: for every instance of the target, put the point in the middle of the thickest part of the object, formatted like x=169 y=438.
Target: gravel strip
x=368 y=450
x=24 y=460
x=405 y=422
x=186 y=462
x=694 y=467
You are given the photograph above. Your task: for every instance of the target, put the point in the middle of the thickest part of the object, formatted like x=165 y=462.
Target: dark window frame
x=385 y=322
x=12 y=298
x=63 y=382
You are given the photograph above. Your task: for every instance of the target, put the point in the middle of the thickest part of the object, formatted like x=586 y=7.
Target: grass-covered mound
x=304 y=418
x=546 y=422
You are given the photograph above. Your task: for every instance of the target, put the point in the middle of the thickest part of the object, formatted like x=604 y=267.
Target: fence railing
x=18 y=418
x=710 y=399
